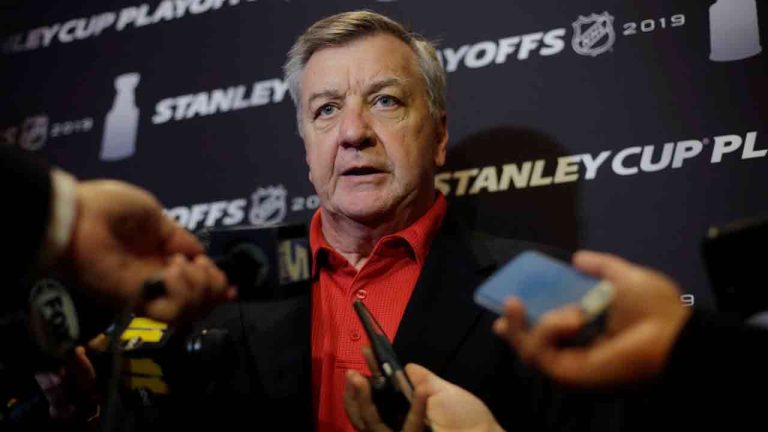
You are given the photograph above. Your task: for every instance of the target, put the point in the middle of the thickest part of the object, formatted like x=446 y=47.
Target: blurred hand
x=358 y=403
x=441 y=405
x=82 y=376
x=121 y=238
x=643 y=322
x=445 y=407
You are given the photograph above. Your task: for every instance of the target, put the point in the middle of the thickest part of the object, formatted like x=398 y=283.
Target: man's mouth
x=361 y=171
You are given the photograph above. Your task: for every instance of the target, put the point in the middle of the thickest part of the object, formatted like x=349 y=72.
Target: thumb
x=418 y=374
x=420 y=377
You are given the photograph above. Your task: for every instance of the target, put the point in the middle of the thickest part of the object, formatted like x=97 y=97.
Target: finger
x=614 y=362
x=602 y=265
x=83 y=373
x=363 y=403
x=222 y=291
x=83 y=368
x=98 y=343
x=416 y=419
x=231 y=291
x=179 y=240
x=165 y=308
x=352 y=401
x=127 y=277
x=191 y=289
x=513 y=326
x=215 y=285
x=368 y=411
x=559 y=324
x=500 y=326
x=553 y=327
x=419 y=375
x=176 y=259
x=193 y=293
x=514 y=311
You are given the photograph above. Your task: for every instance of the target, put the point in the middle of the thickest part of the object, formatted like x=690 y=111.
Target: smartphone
x=544 y=283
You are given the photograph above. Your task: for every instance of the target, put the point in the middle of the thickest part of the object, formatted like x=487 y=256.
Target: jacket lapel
x=441 y=311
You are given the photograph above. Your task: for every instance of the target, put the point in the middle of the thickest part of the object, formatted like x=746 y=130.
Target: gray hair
x=343 y=28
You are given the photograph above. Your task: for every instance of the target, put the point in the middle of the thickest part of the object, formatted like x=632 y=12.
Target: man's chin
x=365 y=211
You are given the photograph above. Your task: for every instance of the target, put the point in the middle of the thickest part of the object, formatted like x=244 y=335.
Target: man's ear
x=441 y=150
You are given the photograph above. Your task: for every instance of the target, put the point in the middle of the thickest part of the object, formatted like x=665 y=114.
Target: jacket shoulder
x=501 y=249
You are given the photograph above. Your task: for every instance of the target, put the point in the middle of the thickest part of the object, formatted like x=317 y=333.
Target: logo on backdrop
x=137 y=16
x=122 y=121
x=268 y=205
x=593 y=34
x=628 y=161
x=733 y=30
x=734 y=33
x=34 y=133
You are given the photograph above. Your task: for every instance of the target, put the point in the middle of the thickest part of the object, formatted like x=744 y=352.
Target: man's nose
x=355 y=131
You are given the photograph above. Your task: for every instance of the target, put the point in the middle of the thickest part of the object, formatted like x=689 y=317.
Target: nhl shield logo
x=268 y=206
x=593 y=35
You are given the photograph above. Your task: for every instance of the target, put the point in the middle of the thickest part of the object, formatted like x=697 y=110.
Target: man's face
x=371 y=144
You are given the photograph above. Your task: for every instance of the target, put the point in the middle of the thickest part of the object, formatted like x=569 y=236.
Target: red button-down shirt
x=384 y=284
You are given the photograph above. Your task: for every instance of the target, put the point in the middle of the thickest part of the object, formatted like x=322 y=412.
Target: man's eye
x=325 y=111
x=387 y=101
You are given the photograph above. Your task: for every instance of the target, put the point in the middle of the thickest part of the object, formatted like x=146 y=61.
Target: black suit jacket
x=715 y=377
x=26 y=195
x=268 y=380
x=444 y=330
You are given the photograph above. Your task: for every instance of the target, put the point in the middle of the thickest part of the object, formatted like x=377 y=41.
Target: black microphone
x=264 y=263
x=269 y=266
x=245 y=265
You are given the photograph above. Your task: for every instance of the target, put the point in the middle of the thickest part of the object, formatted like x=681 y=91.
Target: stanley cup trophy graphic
x=733 y=30
x=122 y=121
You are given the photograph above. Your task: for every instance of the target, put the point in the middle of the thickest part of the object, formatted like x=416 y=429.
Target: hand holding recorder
x=436 y=405
x=120 y=238
x=412 y=399
x=382 y=401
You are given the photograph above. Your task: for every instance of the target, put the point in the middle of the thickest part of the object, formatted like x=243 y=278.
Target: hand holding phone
x=543 y=283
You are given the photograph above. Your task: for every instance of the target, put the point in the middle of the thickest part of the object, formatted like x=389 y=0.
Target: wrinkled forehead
x=358 y=64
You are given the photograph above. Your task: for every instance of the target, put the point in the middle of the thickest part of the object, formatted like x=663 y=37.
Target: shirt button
x=361 y=294
x=355 y=336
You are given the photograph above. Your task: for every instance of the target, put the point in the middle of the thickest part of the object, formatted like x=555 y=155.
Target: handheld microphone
x=263 y=263
x=245 y=266
x=266 y=264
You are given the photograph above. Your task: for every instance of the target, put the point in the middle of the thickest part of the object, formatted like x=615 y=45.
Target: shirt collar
x=418 y=236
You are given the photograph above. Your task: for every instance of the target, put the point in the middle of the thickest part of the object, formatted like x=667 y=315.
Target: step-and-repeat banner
x=623 y=126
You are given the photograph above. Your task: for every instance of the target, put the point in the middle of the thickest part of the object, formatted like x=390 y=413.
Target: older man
x=371 y=110
x=370 y=100
x=370 y=106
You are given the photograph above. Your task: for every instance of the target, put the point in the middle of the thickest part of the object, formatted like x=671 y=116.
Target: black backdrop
x=654 y=90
